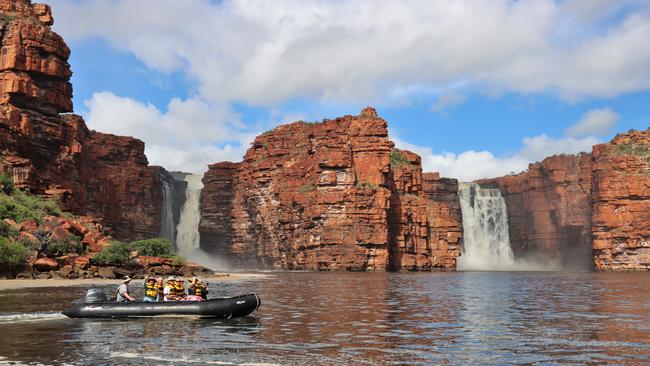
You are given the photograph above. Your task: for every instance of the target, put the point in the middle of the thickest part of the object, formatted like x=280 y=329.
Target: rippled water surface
x=358 y=319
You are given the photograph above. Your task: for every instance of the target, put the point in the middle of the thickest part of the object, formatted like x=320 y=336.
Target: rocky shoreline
x=81 y=264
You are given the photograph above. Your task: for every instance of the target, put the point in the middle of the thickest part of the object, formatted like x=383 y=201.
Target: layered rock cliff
x=584 y=211
x=549 y=210
x=92 y=173
x=621 y=203
x=326 y=196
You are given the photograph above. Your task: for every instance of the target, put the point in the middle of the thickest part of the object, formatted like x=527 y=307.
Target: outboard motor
x=95 y=295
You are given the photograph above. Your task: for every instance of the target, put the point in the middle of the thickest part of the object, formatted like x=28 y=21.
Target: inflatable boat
x=95 y=305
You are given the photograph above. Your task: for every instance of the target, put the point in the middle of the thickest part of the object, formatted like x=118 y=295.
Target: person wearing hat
x=169 y=293
x=179 y=288
x=150 y=289
x=197 y=290
x=192 y=290
x=123 y=290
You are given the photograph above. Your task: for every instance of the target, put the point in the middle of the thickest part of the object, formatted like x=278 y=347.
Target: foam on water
x=30 y=317
x=183 y=360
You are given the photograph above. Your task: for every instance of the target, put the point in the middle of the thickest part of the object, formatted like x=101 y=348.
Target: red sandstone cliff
x=424 y=216
x=621 y=203
x=584 y=210
x=326 y=196
x=549 y=210
x=94 y=174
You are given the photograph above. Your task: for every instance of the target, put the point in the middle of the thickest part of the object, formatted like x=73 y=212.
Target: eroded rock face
x=425 y=225
x=320 y=196
x=621 y=203
x=549 y=210
x=92 y=173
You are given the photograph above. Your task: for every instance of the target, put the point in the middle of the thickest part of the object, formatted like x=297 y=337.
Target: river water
x=358 y=319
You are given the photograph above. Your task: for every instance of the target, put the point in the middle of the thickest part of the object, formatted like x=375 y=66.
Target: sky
x=478 y=88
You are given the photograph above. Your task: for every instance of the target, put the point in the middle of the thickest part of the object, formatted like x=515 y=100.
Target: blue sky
x=477 y=88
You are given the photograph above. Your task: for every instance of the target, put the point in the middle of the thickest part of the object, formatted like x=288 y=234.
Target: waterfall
x=167 y=216
x=188 y=238
x=486 y=242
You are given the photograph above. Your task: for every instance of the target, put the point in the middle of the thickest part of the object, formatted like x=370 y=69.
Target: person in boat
x=123 y=291
x=201 y=289
x=160 y=287
x=195 y=290
x=150 y=289
x=179 y=288
x=169 y=292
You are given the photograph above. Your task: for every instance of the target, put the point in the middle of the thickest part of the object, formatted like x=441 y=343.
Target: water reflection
x=363 y=318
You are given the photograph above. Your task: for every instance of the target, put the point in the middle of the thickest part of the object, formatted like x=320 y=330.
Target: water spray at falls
x=188 y=239
x=486 y=242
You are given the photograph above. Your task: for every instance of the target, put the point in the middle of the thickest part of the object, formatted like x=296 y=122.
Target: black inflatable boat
x=96 y=306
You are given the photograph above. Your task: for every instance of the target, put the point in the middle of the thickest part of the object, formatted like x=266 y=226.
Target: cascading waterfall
x=486 y=242
x=167 y=217
x=188 y=238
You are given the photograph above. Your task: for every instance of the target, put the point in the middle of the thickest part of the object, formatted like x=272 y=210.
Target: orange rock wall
x=93 y=173
x=549 y=210
x=323 y=197
x=621 y=203
x=424 y=228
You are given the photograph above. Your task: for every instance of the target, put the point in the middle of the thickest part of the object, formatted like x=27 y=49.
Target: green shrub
x=117 y=253
x=155 y=247
x=30 y=245
x=22 y=213
x=176 y=259
x=397 y=158
x=12 y=253
x=6 y=183
x=7 y=230
x=58 y=247
x=35 y=203
x=21 y=206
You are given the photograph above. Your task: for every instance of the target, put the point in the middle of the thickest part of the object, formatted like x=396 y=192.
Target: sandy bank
x=18 y=284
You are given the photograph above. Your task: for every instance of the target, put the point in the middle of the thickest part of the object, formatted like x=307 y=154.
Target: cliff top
x=11 y=9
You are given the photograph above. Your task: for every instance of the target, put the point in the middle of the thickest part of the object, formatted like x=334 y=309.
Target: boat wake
x=184 y=360
x=30 y=317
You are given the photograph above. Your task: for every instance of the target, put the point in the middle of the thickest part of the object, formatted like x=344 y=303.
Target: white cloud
x=265 y=52
x=594 y=122
x=447 y=101
x=188 y=136
x=471 y=165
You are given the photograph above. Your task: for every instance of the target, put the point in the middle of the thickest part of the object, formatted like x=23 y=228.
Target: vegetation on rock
x=156 y=247
x=12 y=253
x=397 y=158
x=117 y=253
x=58 y=247
x=20 y=206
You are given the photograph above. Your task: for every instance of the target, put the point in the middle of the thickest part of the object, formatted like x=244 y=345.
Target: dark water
x=359 y=319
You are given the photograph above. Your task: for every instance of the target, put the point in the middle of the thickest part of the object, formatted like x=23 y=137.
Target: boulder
x=106 y=272
x=60 y=233
x=147 y=261
x=65 y=271
x=24 y=235
x=46 y=264
x=29 y=226
x=83 y=262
